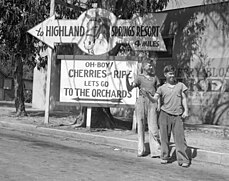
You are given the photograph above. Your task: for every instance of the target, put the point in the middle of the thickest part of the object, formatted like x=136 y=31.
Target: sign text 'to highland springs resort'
x=97 y=31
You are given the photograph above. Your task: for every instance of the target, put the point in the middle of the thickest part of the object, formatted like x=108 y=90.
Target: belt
x=170 y=113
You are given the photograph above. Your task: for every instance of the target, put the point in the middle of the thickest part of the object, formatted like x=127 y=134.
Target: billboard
x=99 y=83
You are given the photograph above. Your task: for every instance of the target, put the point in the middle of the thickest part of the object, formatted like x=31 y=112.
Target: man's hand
x=150 y=97
x=128 y=85
x=185 y=114
x=128 y=74
x=158 y=108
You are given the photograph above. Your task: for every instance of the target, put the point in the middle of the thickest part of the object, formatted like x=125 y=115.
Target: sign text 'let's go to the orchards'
x=100 y=81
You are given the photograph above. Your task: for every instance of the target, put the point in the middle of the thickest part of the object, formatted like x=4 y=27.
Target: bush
x=28 y=96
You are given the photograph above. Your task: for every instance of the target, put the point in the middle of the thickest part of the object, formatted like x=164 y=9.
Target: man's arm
x=159 y=104
x=128 y=85
x=154 y=98
x=185 y=105
x=159 y=99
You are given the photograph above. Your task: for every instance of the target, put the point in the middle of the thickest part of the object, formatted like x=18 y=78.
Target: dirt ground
x=206 y=137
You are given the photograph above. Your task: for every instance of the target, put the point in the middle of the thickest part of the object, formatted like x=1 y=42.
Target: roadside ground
x=207 y=143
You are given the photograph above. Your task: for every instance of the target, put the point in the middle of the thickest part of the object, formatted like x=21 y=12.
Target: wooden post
x=49 y=71
x=88 y=121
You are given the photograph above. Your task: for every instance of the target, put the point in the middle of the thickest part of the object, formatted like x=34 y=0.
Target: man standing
x=173 y=110
x=145 y=109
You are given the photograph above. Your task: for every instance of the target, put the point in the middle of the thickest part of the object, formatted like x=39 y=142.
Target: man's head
x=169 y=73
x=148 y=67
x=153 y=57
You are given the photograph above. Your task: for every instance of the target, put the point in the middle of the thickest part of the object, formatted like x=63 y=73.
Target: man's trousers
x=171 y=123
x=146 y=110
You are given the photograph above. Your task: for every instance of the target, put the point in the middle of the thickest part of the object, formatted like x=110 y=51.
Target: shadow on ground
x=11 y=104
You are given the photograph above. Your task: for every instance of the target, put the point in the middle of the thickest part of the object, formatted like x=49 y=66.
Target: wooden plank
x=48 y=86
x=88 y=121
x=99 y=58
x=93 y=104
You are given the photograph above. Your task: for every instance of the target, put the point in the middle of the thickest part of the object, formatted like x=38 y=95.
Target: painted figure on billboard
x=97 y=36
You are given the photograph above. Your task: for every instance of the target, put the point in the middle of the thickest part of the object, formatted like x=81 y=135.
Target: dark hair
x=169 y=68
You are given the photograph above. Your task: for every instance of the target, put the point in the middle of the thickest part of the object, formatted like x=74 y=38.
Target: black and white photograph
x=114 y=90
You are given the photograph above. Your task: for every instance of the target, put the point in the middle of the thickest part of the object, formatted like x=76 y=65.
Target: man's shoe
x=164 y=161
x=141 y=154
x=185 y=165
x=155 y=156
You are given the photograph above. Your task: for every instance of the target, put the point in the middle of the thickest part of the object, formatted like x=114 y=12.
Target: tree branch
x=63 y=3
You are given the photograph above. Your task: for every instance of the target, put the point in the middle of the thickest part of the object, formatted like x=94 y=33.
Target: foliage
x=28 y=96
x=18 y=48
x=17 y=17
x=123 y=9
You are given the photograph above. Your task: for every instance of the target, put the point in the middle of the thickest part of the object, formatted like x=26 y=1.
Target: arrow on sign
x=103 y=100
x=97 y=31
x=53 y=31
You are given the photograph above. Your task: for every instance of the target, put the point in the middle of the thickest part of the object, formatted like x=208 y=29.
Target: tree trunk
x=81 y=118
x=19 y=86
x=101 y=118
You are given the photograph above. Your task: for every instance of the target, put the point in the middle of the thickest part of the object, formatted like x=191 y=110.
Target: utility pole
x=49 y=71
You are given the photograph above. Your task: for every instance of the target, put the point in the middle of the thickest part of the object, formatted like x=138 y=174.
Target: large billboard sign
x=100 y=82
x=97 y=31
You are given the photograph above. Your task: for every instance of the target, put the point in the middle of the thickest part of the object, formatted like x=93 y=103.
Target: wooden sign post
x=49 y=71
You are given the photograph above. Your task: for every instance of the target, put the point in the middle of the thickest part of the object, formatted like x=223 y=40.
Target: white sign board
x=97 y=31
x=97 y=81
